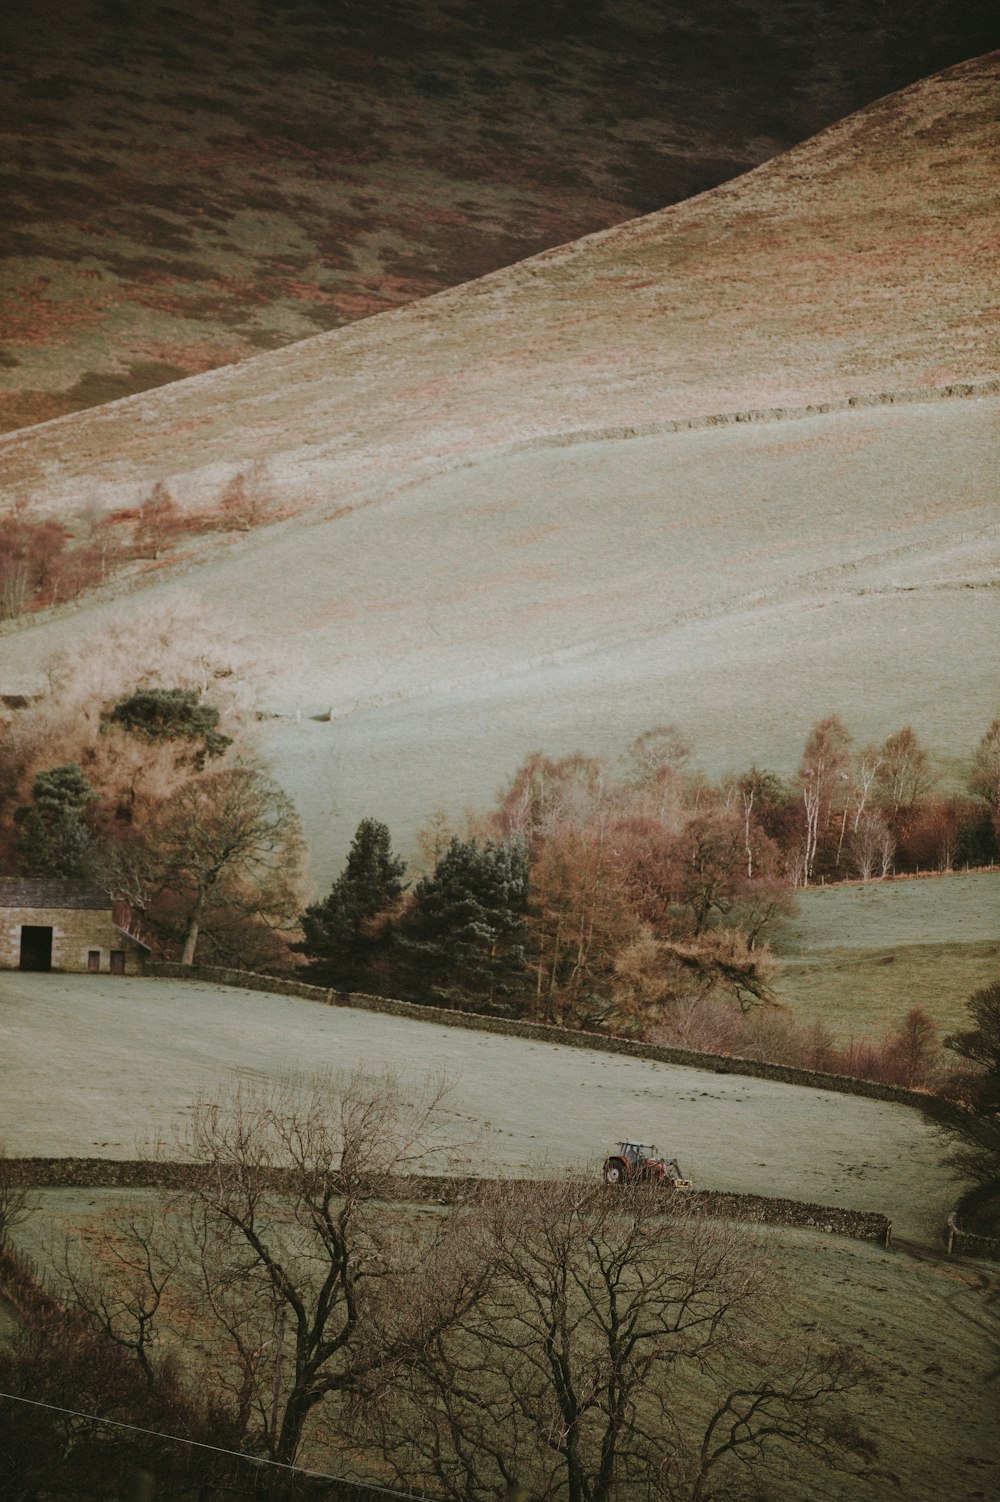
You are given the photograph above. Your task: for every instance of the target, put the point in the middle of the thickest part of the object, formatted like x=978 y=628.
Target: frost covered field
x=96 y=1069
x=735 y=582
x=92 y=1068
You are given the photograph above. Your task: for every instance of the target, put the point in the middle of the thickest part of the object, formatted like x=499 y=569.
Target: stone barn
x=64 y=925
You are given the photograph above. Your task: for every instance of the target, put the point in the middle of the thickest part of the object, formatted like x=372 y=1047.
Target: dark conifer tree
x=347 y=934
x=462 y=940
x=53 y=838
x=171 y=714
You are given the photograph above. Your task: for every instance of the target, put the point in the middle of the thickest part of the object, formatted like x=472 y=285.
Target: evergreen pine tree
x=343 y=937
x=171 y=714
x=53 y=838
x=461 y=940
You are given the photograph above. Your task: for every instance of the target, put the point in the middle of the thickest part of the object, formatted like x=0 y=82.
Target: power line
x=197 y=1444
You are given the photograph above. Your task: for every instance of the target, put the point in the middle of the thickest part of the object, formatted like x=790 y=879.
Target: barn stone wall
x=75 y=931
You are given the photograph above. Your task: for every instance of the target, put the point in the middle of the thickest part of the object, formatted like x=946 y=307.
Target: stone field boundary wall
x=972 y=1243
x=110 y=1173
x=754 y=416
x=542 y=1032
x=969 y=1244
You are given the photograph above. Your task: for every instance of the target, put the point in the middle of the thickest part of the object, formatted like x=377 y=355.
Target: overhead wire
x=197 y=1444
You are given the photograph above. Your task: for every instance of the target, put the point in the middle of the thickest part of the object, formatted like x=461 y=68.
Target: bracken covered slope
x=864 y=261
x=185 y=184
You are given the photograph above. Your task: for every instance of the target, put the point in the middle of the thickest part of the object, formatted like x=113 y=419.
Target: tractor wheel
x=614 y=1171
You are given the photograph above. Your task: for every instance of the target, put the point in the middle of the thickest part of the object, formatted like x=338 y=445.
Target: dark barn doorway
x=36 y=947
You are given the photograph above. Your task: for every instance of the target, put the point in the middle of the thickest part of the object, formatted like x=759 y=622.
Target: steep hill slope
x=185 y=184
x=863 y=261
x=531 y=526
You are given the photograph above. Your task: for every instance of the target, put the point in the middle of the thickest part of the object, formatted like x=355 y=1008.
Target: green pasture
x=923 y=1325
x=859 y=957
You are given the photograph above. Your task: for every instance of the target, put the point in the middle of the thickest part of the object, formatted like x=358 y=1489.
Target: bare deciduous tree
x=984 y=781
x=872 y=846
x=120 y=1291
x=822 y=774
x=281 y=1271
x=229 y=839
x=610 y=1351
x=15 y=1201
x=904 y=773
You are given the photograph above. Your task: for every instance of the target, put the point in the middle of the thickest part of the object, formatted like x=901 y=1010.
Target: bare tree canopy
x=228 y=840
x=281 y=1264
x=610 y=1351
x=579 y=1343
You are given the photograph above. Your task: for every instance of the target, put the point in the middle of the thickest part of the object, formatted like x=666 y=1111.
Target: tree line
x=635 y=895
x=641 y=895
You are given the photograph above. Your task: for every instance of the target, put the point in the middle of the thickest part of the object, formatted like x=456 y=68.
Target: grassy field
x=132 y=1058
x=860 y=957
x=924 y=1327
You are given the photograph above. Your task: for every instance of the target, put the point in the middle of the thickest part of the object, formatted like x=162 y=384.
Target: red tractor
x=639 y=1163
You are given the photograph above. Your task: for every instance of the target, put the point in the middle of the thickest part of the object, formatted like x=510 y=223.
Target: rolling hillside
x=183 y=185
x=531 y=516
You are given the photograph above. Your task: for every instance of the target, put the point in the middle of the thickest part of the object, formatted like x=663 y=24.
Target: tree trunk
x=298 y=1408
x=194 y=927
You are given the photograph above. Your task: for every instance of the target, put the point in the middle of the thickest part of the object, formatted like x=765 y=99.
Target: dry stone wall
x=545 y=1033
x=107 y=1173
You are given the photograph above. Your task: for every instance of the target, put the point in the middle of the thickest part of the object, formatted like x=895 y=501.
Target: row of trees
x=458 y=935
x=591 y=891
x=537 y=1340
x=870 y=811
x=43 y=562
x=594 y=892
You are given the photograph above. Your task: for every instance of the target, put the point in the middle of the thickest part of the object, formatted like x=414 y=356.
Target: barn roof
x=47 y=892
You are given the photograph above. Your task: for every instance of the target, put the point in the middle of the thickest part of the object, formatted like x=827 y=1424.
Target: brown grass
x=387 y=151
